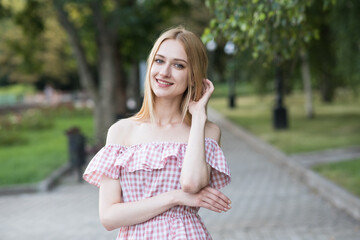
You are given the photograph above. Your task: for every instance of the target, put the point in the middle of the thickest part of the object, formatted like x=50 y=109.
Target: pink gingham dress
x=148 y=169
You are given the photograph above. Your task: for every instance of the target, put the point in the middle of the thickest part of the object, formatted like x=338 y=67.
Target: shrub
x=12 y=138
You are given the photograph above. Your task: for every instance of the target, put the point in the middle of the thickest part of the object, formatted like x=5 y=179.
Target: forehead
x=172 y=49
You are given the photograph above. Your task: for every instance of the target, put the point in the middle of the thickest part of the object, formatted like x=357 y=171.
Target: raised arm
x=114 y=213
x=195 y=172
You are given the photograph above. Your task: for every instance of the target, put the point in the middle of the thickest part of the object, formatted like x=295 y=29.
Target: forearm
x=195 y=173
x=125 y=214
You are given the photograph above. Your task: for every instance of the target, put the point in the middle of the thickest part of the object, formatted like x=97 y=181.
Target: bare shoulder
x=212 y=131
x=119 y=131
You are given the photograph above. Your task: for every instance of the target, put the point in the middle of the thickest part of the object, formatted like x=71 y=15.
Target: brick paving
x=268 y=204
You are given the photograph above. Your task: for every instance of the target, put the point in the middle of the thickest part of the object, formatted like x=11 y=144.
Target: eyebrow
x=176 y=59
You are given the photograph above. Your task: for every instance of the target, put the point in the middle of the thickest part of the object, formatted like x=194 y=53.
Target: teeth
x=164 y=83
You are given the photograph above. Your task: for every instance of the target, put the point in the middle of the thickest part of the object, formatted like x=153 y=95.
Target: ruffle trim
x=151 y=156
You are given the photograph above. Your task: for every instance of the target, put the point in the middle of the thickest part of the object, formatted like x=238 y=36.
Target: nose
x=165 y=70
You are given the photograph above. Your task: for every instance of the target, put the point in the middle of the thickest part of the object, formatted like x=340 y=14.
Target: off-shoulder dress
x=148 y=169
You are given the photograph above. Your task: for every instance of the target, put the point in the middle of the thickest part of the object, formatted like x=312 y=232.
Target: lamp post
x=230 y=50
x=280 y=119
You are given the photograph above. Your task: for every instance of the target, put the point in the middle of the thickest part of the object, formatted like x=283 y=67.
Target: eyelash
x=177 y=65
x=159 y=61
x=180 y=66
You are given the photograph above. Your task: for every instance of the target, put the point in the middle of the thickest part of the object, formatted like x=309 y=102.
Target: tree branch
x=86 y=77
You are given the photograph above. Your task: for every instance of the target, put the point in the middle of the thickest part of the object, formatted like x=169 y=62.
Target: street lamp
x=280 y=119
x=230 y=50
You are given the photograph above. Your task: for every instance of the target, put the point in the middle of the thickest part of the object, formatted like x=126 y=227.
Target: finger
x=210 y=85
x=220 y=206
x=205 y=86
x=218 y=194
x=216 y=202
x=210 y=207
x=213 y=199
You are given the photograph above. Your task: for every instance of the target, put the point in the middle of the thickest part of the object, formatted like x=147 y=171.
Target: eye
x=179 y=66
x=157 y=60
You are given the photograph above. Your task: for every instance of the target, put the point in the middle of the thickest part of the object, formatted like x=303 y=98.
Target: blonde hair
x=197 y=62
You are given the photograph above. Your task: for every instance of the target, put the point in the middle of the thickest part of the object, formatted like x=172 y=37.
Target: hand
x=200 y=105
x=208 y=197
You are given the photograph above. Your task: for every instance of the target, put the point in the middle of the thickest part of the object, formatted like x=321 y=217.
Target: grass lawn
x=44 y=151
x=345 y=174
x=335 y=125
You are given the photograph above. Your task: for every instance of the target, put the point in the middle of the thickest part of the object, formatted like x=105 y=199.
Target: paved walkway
x=268 y=204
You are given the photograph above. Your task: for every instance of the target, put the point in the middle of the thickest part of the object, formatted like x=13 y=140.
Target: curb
x=43 y=186
x=334 y=194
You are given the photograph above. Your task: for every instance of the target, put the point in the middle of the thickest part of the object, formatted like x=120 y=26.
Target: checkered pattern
x=148 y=169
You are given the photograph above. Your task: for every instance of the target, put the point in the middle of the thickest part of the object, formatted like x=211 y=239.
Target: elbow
x=107 y=222
x=190 y=187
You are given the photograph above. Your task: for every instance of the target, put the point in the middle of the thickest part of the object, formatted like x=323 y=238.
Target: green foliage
x=345 y=25
x=11 y=125
x=30 y=18
x=32 y=44
x=271 y=28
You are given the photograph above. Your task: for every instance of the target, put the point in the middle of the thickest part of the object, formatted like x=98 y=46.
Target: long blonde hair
x=198 y=63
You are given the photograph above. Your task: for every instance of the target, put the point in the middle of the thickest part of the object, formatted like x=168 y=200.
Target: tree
x=276 y=30
x=344 y=26
x=116 y=31
x=35 y=54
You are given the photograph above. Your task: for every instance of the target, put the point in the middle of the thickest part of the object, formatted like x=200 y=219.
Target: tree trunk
x=104 y=95
x=107 y=74
x=134 y=86
x=305 y=72
x=327 y=88
x=120 y=88
x=86 y=77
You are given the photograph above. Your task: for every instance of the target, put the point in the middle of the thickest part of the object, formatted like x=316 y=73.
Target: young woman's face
x=169 y=71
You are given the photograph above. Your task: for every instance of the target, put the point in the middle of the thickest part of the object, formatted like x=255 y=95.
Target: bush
x=14 y=124
x=12 y=138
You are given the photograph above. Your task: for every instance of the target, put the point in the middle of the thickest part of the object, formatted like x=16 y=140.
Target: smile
x=163 y=83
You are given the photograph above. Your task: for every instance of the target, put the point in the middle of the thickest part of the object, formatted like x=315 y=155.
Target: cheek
x=153 y=70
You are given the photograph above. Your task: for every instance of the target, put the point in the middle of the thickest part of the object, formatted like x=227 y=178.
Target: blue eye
x=178 y=65
x=159 y=61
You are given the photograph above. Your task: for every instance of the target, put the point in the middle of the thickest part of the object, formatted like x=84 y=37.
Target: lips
x=163 y=83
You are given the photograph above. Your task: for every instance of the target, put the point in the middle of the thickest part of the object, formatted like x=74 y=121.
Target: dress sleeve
x=220 y=172
x=103 y=163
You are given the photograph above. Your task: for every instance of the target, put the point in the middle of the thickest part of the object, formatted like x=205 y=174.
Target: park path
x=268 y=203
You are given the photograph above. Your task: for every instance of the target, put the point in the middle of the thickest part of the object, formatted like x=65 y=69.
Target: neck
x=168 y=111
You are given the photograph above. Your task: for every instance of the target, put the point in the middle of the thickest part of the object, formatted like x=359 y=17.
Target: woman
x=161 y=165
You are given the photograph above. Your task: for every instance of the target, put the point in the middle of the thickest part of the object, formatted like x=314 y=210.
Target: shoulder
x=118 y=132
x=212 y=131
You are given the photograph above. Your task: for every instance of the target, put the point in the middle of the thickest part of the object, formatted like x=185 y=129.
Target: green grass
x=335 y=125
x=45 y=150
x=345 y=174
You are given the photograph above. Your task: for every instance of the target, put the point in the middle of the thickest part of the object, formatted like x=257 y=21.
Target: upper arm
x=212 y=131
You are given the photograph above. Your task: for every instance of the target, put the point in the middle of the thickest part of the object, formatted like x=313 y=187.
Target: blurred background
x=287 y=71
